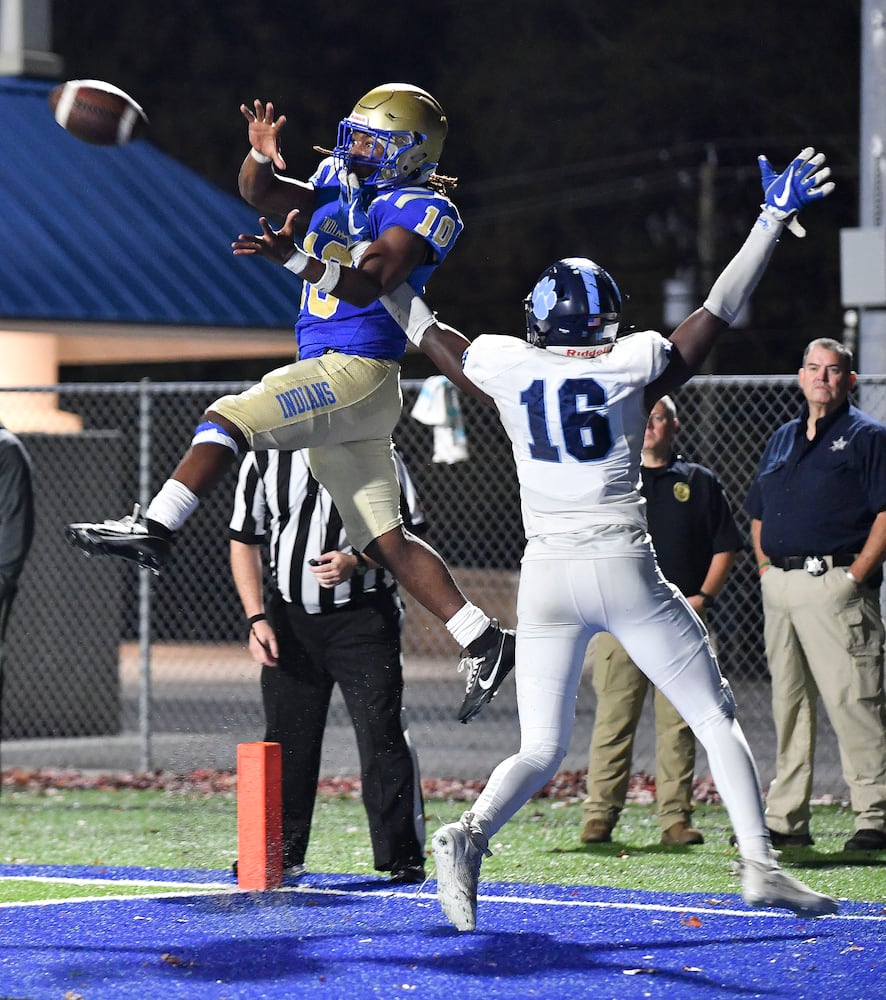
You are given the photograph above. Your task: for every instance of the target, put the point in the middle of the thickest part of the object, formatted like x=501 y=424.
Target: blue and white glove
x=804 y=180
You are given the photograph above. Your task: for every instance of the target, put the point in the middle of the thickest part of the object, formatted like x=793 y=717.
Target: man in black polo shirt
x=818 y=523
x=696 y=542
x=334 y=618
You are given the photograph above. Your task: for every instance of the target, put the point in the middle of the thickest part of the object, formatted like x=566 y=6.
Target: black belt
x=814 y=565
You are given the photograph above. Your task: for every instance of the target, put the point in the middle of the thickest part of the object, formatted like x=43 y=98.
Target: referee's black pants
x=357 y=648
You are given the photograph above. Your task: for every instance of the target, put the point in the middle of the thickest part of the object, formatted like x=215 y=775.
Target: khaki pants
x=824 y=636
x=343 y=408
x=621 y=690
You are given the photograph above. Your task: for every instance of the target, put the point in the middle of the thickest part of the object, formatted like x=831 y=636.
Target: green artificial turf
x=155 y=828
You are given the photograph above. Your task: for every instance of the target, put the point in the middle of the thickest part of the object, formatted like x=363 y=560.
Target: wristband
x=260 y=617
x=297 y=262
x=259 y=157
x=852 y=576
x=362 y=566
x=329 y=279
x=763 y=566
x=707 y=600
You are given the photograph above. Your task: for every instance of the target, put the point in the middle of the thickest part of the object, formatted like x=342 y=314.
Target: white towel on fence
x=438 y=406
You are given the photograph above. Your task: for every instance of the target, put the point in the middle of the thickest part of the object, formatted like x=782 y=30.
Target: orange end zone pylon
x=259 y=816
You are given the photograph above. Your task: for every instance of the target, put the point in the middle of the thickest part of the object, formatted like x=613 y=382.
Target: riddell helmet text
x=586 y=352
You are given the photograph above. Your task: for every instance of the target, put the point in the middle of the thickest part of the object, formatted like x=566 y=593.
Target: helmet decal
x=593 y=293
x=544 y=298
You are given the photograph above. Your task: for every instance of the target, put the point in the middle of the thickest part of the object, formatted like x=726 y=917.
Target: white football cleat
x=459 y=849
x=769 y=885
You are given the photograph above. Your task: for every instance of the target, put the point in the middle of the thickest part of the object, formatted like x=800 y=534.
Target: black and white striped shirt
x=277 y=494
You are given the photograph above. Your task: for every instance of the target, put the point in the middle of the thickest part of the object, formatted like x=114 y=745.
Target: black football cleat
x=407 y=875
x=127 y=539
x=866 y=839
x=487 y=667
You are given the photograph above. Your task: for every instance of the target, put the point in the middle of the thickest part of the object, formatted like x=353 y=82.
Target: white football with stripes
x=97 y=112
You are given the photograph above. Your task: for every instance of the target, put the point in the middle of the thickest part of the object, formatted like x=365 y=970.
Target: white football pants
x=570 y=590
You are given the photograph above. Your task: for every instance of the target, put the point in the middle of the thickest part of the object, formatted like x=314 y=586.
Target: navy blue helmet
x=575 y=304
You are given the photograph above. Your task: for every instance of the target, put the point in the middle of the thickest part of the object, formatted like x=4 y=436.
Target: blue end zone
x=353 y=936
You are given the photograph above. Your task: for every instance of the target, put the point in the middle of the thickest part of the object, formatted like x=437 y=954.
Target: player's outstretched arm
x=803 y=181
x=258 y=182
x=382 y=265
x=444 y=345
x=446 y=348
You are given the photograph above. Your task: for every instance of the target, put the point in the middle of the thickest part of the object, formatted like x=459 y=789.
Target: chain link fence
x=108 y=666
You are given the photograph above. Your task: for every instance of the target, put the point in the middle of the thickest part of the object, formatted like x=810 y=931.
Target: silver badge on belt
x=815 y=566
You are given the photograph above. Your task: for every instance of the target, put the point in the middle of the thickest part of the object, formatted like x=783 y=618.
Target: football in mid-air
x=97 y=112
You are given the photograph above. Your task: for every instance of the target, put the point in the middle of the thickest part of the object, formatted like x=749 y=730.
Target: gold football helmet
x=409 y=129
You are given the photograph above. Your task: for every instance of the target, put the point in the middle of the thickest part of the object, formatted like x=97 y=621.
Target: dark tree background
x=623 y=131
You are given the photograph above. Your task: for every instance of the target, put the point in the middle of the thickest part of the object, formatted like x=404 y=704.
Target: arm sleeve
x=753 y=504
x=16 y=510
x=875 y=469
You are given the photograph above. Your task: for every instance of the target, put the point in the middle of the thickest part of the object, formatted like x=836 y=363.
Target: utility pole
x=25 y=33
x=681 y=293
x=863 y=250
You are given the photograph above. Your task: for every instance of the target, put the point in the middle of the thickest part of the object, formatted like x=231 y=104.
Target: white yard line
x=223 y=888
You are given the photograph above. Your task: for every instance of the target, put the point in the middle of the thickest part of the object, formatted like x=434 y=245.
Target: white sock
x=756 y=849
x=173 y=505
x=467 y=624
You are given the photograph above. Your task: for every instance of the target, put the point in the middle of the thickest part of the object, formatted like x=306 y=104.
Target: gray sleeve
x=16 y=509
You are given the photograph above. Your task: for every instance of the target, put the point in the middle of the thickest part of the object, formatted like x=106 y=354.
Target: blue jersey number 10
x=586 y=432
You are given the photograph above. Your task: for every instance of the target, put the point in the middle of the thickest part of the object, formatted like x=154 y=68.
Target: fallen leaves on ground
x=567 y=786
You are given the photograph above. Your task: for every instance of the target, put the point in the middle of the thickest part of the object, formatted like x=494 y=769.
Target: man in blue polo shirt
x=818 y=523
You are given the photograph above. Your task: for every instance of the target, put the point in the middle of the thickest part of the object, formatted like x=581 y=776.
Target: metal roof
x=122 y=233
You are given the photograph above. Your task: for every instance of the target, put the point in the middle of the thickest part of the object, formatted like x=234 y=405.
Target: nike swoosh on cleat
x=486 y=685
x=781 y=199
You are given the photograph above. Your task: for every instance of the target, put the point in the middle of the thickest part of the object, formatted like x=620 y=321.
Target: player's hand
x=275 y=245
x=264 y=130
x=804 y=180
x=263 y=644
x=332 y=568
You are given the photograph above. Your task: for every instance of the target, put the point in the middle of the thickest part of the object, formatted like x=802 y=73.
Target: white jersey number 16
x=587 y=435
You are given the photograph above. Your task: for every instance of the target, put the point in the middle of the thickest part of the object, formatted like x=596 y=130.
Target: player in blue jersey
x=374 y=216
x=574 y=398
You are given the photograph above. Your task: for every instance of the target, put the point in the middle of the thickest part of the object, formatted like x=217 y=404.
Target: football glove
x=804 y=180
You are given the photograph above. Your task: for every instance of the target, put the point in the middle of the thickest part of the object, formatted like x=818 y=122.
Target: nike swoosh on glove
x=804 y=180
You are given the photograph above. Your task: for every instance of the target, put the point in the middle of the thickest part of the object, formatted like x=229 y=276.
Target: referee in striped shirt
x=334 y=618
